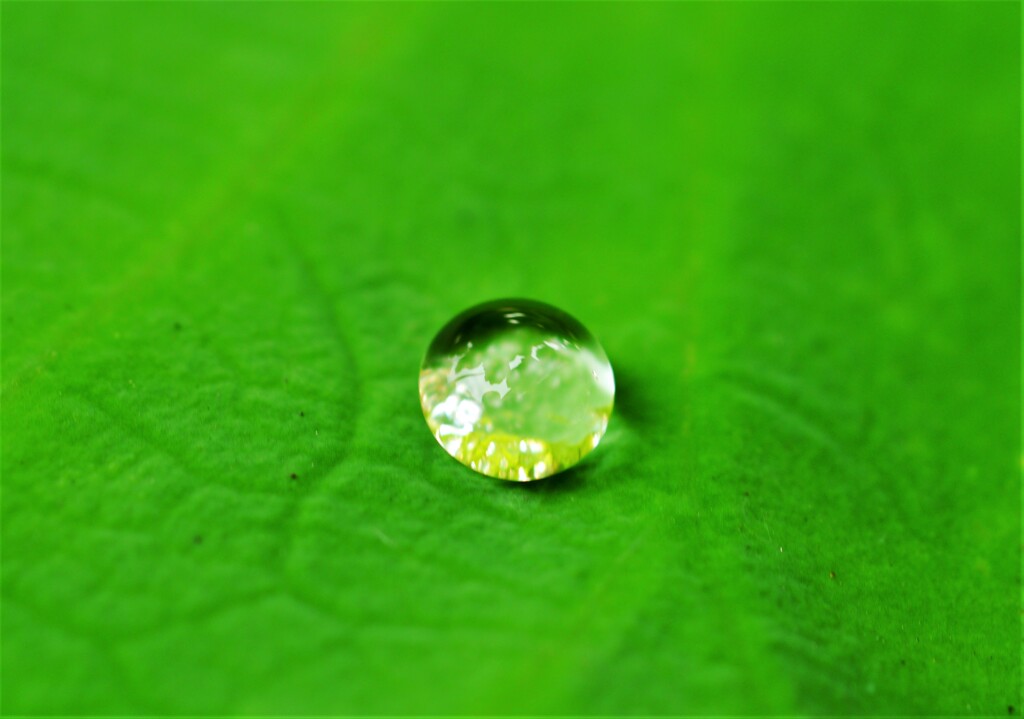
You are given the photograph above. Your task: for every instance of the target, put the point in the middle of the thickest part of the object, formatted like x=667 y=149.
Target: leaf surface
x=230 y=231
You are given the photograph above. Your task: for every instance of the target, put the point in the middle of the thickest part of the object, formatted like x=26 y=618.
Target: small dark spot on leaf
x=302 y=414
x=177 y=326
x=293 y=475
x=746 y=494
x=903 y=662
x=832 y=575
x=198 y=539
x=1010 y=709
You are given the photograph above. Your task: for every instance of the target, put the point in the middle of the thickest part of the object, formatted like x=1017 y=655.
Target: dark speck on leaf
x=832 y=575
x=1010 y=709
x=302 y=414
x=198 y=539
x=177 y=326
x=294 y=476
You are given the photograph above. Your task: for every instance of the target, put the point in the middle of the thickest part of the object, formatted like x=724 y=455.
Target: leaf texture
x=230 y=231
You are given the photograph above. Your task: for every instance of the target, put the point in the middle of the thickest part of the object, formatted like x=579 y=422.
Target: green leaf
x=230 y=231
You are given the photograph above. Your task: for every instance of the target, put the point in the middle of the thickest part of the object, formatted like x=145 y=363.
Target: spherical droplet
x=516 y=389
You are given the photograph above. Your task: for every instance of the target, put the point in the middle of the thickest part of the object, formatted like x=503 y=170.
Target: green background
x=230 y=231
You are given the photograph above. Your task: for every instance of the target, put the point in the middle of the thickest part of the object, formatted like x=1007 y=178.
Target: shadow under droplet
x=634 y=401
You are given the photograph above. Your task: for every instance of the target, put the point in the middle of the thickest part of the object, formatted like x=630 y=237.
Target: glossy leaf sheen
x=230 y=231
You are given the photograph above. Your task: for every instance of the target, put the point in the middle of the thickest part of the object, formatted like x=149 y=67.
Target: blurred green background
x=230 y=231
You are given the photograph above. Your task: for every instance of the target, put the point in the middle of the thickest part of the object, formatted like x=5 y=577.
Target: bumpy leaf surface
x=230 y=231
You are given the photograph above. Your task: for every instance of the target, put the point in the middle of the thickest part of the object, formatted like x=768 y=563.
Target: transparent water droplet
x=516 y=389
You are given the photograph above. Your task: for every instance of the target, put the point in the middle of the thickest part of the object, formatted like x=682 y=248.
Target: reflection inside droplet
x=516 y=389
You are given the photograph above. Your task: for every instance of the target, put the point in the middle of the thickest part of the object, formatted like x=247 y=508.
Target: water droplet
x=516 y=389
